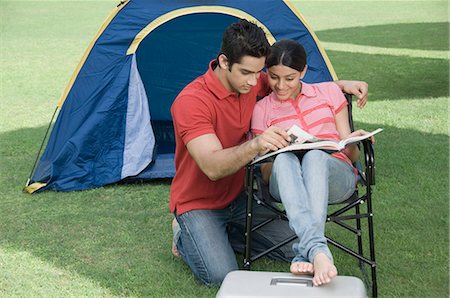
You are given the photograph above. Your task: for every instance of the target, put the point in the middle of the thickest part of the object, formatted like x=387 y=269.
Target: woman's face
x=285 y=81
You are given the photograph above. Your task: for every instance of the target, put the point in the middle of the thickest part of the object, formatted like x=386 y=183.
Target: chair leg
x=372 y=257
x=248 y=224
x=359 y=235
x=372 y=242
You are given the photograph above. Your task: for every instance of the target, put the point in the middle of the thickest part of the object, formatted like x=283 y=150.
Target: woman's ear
x=223 y=61
x=303 y=72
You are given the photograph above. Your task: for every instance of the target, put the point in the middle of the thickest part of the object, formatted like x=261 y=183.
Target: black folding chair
x=257 y=191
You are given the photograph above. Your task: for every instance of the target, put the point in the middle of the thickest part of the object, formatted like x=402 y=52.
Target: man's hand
x=271 y=139
x=217 y=162
x=358 y=88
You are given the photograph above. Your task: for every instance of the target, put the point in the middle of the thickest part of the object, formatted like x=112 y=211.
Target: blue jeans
x=209 y=239
x=306 y=186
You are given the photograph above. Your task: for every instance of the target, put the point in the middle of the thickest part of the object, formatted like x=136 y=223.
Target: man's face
x=244 y=75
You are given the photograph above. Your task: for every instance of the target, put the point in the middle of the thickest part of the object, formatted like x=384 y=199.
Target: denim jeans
x=306 y=186
x=209 y=239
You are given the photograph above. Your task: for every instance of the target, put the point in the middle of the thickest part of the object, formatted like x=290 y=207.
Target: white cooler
x=243 y=283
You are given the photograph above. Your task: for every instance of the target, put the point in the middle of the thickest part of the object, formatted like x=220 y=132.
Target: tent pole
x=40 y=149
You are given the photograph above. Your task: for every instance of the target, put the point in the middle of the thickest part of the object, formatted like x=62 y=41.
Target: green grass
x=115 y=240
x=394 y=77
x=324 y=15
x=411 y=196
x=421 y=36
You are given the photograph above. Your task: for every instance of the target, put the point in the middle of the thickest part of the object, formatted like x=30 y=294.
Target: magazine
x=301 y=140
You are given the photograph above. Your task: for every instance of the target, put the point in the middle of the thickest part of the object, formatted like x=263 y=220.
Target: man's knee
x=215 y=276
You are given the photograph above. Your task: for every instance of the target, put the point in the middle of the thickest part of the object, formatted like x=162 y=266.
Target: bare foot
x=176 y=231
x=324 y=269
x=301 y=268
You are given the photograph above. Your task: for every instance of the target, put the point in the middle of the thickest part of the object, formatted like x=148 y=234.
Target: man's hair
x=243 y=38
x=288 y=53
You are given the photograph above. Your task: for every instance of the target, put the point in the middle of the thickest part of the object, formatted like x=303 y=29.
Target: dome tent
x=114 y=118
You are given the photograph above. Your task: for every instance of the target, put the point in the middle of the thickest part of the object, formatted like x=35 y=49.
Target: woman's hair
x=287 y=52
x=243 y=38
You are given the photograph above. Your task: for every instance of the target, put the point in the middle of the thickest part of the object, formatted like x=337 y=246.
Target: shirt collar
x=214 y=84
x=307 y=90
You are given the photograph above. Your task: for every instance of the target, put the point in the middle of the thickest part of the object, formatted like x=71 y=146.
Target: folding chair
x=257 y=191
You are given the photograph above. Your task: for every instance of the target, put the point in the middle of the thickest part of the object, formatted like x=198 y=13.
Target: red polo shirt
x=205 y=106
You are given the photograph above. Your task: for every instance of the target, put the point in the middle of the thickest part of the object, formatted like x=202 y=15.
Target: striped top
x=313 y=110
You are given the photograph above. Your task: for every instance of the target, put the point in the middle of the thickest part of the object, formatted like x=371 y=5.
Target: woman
x=306 y=184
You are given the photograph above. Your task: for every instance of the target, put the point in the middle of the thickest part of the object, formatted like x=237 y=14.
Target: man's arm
x=218 y=162
x=358 y=88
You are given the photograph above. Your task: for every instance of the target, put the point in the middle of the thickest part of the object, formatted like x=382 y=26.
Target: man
x=211 y=119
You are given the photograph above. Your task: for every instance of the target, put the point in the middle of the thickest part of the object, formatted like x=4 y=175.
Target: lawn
x=115 y=240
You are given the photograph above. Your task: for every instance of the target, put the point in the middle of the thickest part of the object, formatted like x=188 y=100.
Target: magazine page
x=328 y=145
x=352 y=140
x=298 y=135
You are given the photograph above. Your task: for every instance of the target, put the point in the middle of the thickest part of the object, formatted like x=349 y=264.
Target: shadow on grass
x=393 y=77
x=420 y=36
x=119 y=236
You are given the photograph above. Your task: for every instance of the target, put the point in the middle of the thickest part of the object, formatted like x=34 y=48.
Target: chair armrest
x=369 y=160
x=348 y=97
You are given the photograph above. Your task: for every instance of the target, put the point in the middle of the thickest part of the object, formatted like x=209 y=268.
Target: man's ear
x=303 y=73
x=223 y=61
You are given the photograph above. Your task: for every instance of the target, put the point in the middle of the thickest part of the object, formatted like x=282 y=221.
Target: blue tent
x=114 y=118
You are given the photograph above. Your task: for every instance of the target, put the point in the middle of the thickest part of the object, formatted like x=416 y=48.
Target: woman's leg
x=304 y=191
x=328 y=180
x=286 y=185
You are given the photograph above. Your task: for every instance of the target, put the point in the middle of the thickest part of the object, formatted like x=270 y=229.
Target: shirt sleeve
x=196 y=122
x=336 y=98
x=258 y=118
x=265 y=88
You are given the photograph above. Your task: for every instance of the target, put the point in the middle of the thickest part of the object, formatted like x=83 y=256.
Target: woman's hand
x=360 y=132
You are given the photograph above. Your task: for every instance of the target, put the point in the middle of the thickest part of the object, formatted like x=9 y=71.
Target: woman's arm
x=343 y=127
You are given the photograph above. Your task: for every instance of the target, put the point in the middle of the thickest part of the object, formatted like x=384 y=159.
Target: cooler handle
x=283 y=281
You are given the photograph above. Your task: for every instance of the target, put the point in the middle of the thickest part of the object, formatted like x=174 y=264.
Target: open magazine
x=301 y=140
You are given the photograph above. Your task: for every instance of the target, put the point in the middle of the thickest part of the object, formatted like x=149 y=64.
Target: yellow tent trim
x=33 y=187
x=191 y=10
x=321 y=49
x=88 y=50
x=185 y=11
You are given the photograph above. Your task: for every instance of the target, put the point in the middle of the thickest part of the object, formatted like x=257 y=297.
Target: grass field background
x=115 y=241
